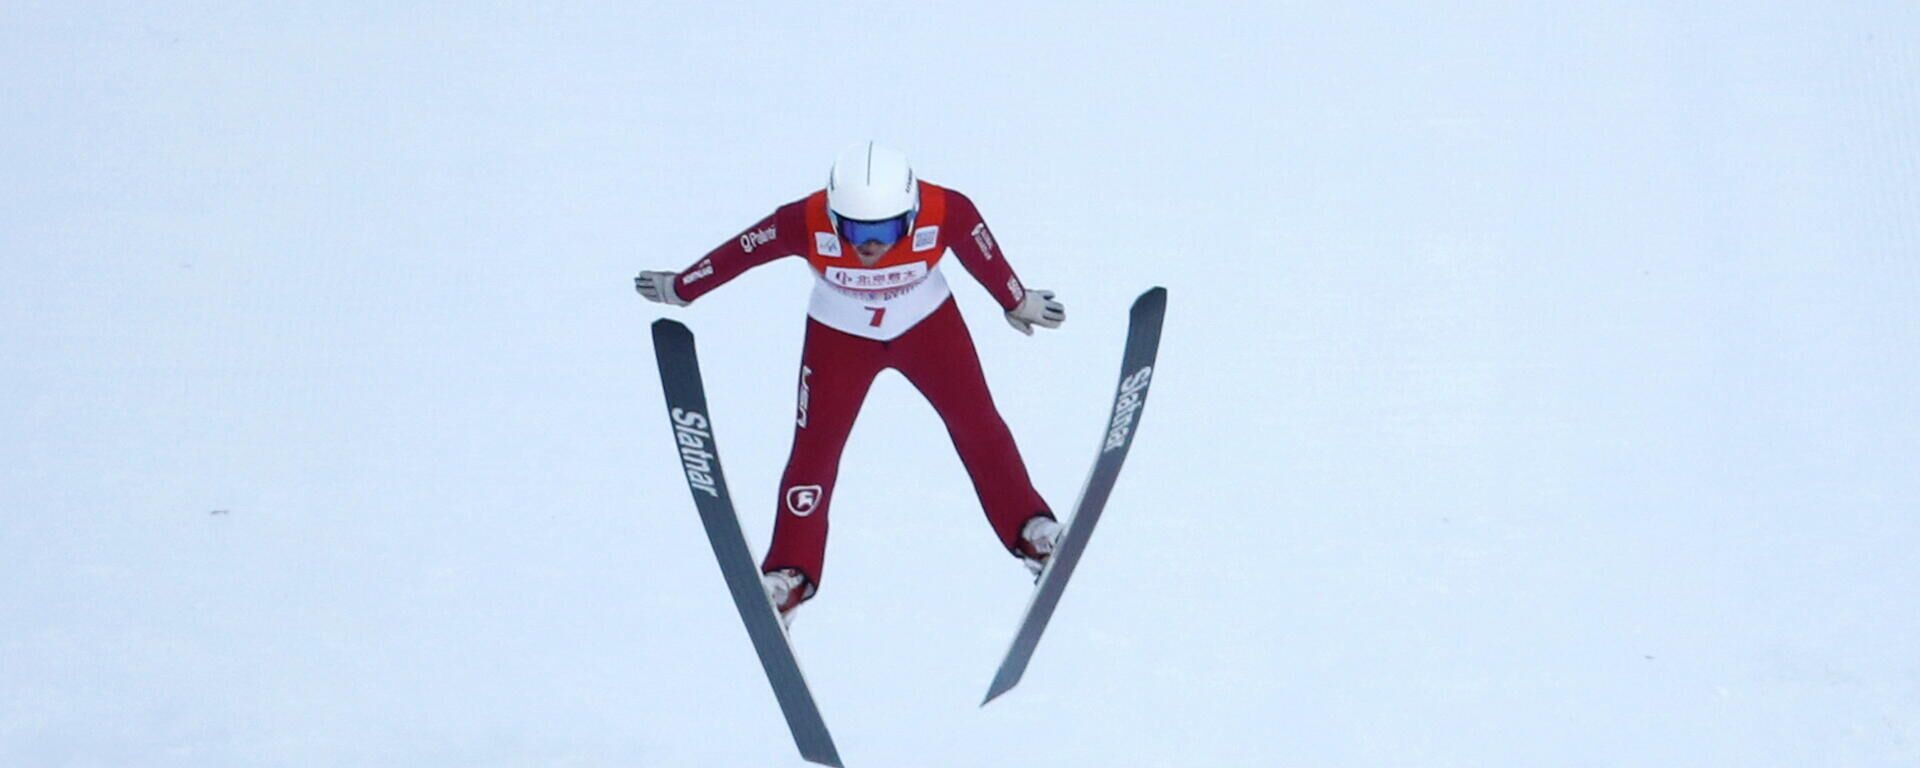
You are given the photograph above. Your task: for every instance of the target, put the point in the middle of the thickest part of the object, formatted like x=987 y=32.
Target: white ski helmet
x=871 y=184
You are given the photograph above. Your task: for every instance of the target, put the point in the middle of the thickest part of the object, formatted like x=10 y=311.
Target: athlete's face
x=872 y=249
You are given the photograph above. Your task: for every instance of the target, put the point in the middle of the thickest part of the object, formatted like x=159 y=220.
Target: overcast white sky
x=1538 y=384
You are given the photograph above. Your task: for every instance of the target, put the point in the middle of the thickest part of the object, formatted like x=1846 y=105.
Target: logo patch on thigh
x=803 y=499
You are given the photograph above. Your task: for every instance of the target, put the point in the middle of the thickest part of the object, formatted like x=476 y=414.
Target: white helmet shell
x=870 y=182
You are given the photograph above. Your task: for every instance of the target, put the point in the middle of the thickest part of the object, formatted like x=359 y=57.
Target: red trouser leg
x=836 y=370
x=938 y=357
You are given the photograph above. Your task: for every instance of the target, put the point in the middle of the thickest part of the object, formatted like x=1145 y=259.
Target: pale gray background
x=1538 y=386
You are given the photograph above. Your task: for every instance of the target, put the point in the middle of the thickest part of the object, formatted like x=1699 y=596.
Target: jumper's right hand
x=1037 y=308
x=658 y=286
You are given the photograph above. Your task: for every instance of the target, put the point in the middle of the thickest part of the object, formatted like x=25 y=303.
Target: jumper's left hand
x=1037 y=308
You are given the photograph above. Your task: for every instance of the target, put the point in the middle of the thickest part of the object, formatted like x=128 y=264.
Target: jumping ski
x=1136 y=375
x=699 y=457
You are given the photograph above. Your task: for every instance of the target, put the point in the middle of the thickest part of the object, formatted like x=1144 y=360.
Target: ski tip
x=666 y=330
x=831 y=758
x=1155 y=297
x=995 y=692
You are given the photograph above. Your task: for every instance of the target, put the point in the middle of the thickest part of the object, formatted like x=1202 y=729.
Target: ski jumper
x=897 y=312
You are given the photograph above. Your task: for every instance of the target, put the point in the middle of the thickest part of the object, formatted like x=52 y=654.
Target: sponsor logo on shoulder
x=803 y=499
x=984 y=239
x=690 y=431
x=1133 y=394
x=756 y=238
x=827 y=244
x=925 y=238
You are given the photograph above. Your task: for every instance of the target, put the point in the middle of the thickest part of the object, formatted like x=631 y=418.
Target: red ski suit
x=894 y=313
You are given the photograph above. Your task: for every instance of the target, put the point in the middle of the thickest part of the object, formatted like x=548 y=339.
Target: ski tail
x=700 y=460
x=1129 y=401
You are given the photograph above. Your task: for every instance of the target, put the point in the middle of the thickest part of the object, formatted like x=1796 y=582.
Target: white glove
x=1037 y=308
x=658 y=286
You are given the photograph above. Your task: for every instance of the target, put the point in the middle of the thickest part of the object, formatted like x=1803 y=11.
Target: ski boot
x=786 y=589
x=1037 y=539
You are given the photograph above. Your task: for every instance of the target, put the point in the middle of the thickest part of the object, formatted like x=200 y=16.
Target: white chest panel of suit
x=877 y=303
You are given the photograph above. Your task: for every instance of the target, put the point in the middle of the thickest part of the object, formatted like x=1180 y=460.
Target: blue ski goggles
x=886 y=231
